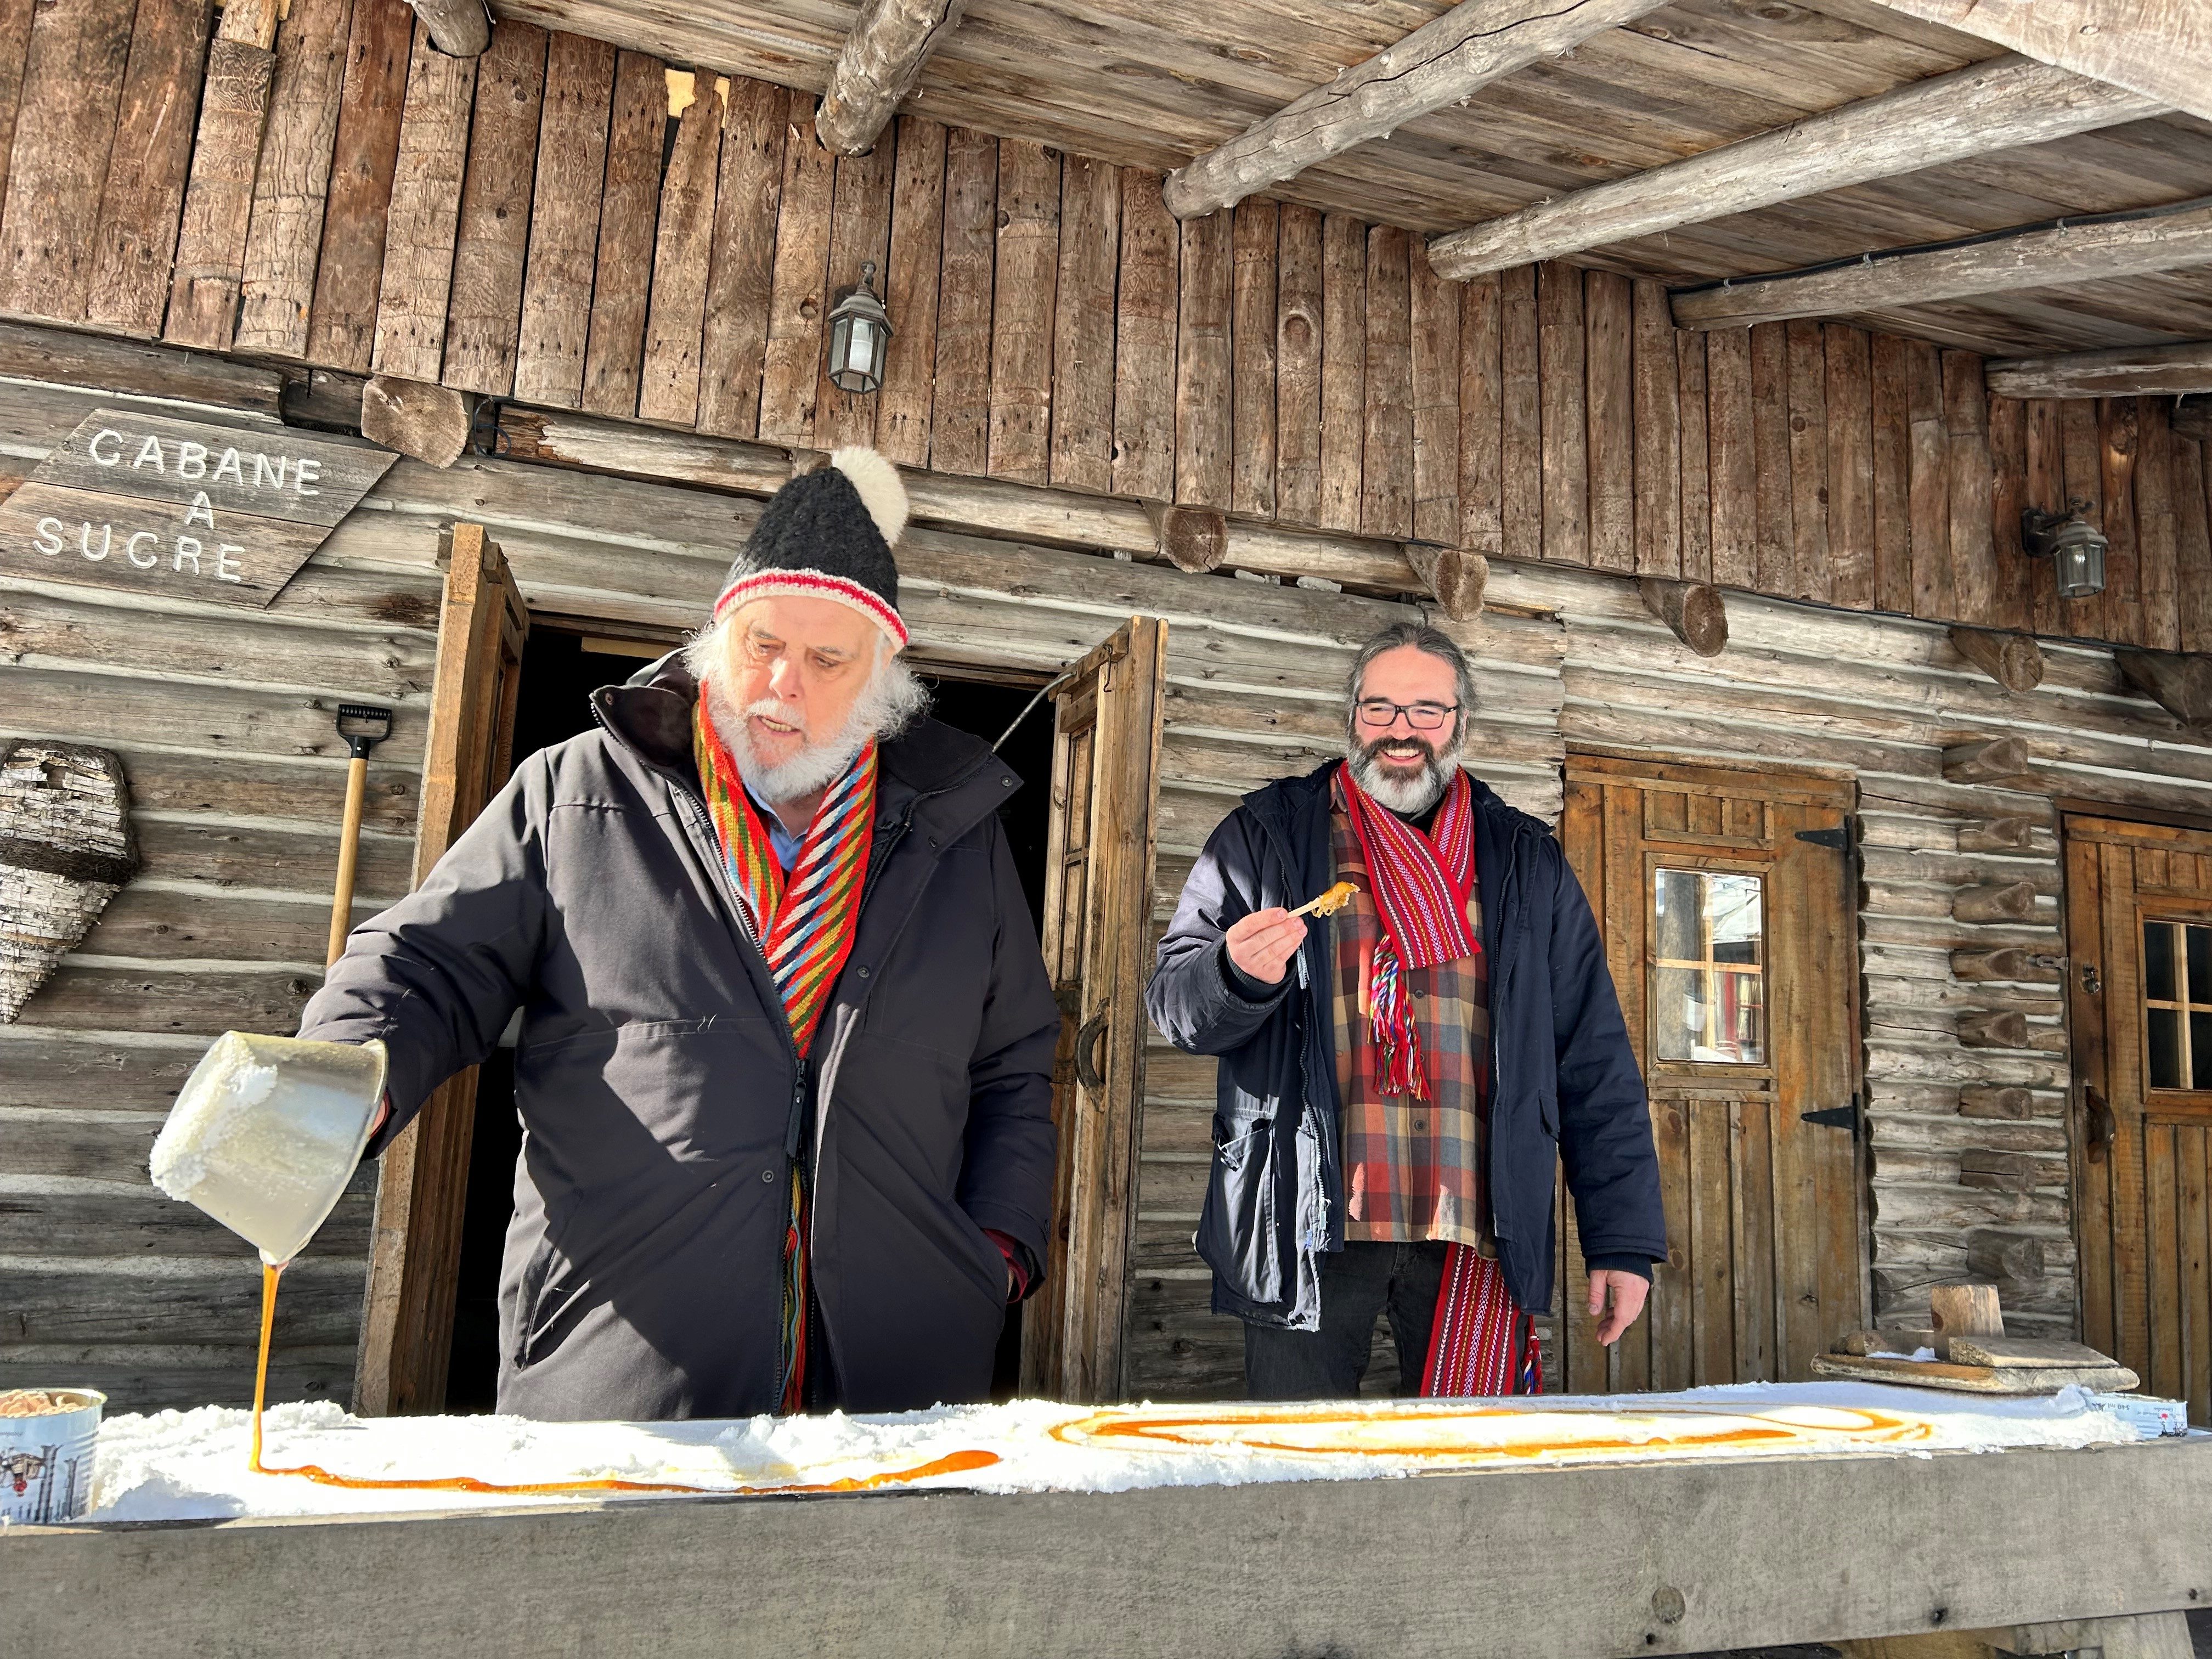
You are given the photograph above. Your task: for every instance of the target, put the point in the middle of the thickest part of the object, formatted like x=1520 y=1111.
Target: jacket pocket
x=549 y=1304
x=1237 y=1225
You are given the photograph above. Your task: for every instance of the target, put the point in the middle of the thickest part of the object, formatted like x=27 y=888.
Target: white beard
x=813 y=769
x=1408 y=797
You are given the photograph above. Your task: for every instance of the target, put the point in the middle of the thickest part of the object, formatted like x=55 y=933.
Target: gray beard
x=813 y=769
x=1408 y=797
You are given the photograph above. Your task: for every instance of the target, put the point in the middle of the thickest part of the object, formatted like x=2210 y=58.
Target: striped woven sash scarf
x=1480 y=1342
x=803 y=924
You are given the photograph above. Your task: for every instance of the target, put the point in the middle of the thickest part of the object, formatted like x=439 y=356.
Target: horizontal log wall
x=582 y=229
x=224 y=720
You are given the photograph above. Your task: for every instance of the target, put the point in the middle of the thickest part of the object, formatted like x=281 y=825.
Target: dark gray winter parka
x=662 y=1099
x=1563 y=1080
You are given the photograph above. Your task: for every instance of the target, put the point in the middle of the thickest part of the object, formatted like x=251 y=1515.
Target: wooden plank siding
x=521 y=223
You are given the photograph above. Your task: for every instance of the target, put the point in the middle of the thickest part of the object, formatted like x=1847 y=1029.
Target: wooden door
x=2139 y=933
x=1724 y=897
x=1097 y=939
x=414 y=1253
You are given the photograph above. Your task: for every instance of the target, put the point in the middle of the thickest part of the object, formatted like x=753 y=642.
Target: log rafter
x=2045 y=256
x=2159 y=48
x=876 y=67
x=2123 y=372
x=1999 y=105
x=1441 y=63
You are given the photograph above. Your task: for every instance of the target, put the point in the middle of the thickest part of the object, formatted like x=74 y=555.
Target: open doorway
x=559 y=673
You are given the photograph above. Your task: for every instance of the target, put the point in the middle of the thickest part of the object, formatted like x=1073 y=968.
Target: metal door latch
x=2090 y=982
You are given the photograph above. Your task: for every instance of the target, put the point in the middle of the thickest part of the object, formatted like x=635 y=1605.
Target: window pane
x=1678 y=1012
x=2158 y=961
x=2164 y=1048
x=1677 y=900
x=2199 y=988
x=2200 y=1049
x=1708 y=992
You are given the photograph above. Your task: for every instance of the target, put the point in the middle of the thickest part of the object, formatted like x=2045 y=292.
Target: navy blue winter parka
x=1563 y=1080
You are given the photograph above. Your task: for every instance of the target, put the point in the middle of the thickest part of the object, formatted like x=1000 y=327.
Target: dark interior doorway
x=559 y=673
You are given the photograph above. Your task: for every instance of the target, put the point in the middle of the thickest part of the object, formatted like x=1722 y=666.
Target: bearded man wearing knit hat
x=785 y=1061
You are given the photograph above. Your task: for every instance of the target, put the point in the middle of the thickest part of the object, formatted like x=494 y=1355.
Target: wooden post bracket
x=1990 y=761
x=1697 y=612
x=2012 y=660
x=459 y=28
x=429 y=422
x=2178 y=681
x=1455 y=576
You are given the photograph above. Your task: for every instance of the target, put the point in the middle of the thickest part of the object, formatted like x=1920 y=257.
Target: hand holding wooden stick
x=1329 y=903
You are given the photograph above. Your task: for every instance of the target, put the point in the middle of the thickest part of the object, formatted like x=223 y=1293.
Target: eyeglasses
x=1421 y=716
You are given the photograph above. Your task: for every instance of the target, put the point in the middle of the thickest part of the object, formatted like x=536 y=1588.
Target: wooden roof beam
x=2126 y=372
x=876 y=67
x=2028 y=259
x=2000 y=105
x=1441 y=63
x=459 y=28
x=2159 y=48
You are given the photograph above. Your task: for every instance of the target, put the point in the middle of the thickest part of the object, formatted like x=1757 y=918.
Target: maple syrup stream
x=958 y=1462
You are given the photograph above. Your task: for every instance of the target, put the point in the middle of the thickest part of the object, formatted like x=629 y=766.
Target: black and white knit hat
x=828 y=535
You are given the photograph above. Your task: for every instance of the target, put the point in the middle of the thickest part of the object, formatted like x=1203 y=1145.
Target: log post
x=429 y=422
x=1986 y=762
x=2178 y=682
x=1193 y=539
x=2009 y=901
x=1964 y=1310
x=2006 y=834
x=459 y=28
x=2011 y=963
x=2005 y=1104
x=2001 y=1028
x=2012 y=660
x=876 y=67
x=1455 y=577
x=1696 y=612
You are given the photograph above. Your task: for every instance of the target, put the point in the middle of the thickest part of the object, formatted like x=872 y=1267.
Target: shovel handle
x=348 y=855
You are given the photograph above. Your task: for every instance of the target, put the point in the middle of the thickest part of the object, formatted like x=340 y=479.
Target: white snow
x=192 y=1465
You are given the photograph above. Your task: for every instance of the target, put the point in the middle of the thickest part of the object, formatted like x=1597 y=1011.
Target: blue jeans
x=1357 y=1283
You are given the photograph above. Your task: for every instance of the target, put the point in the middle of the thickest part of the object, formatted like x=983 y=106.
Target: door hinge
x=1838 y=839
x=1836 y=1117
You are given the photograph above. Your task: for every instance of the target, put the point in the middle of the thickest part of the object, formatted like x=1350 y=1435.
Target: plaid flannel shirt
x=1415 y=1170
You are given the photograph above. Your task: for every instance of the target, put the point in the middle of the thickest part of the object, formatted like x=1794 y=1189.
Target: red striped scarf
x=804 y=925
x=1480 y=1342
x=1420 y=884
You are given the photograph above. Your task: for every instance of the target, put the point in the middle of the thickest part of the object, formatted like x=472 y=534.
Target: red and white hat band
x=814 y=585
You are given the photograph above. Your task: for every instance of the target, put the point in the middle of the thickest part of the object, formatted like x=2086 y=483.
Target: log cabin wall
x=579 y=228
x=676 y=271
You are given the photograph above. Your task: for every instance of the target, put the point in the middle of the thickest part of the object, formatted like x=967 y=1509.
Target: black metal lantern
x=859 y=336
x=2074 y=545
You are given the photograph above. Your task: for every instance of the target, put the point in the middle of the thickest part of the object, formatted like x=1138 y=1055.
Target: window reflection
x=1707 y=973
x=2177 y=978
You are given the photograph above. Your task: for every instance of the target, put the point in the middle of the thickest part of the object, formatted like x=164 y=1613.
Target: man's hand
x=1625 y=1291
x=1262 y=944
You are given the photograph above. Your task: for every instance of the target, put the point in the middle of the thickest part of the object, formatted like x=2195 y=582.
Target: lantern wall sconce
x=2074 y=547
x=859 y=336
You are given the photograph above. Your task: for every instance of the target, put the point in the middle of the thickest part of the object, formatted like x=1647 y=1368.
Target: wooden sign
x=192 y=510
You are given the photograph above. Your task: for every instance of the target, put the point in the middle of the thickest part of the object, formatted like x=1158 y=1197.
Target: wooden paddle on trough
x=1973 y=1354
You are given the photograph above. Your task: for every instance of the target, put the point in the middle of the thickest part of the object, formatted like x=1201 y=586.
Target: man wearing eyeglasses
x=1400 y=1079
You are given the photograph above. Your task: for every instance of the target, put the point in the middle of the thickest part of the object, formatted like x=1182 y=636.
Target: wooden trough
x=1560 y=1563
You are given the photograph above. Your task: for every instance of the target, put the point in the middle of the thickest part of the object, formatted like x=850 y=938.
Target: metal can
x=46 y=1440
